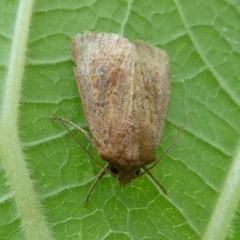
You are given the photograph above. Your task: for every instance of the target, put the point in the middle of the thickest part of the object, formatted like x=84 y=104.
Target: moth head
x=124 y=177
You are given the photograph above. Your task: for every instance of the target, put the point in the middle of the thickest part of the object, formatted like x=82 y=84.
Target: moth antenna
x=154 y=179
x=166 y=151
x=98 y=178
x=79 y=143
x=85 y=133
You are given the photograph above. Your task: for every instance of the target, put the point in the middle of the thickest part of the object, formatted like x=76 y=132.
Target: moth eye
x=114 y=170
x=137 y=172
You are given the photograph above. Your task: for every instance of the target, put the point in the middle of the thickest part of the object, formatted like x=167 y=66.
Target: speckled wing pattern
x=124 y=89
x=104 y=69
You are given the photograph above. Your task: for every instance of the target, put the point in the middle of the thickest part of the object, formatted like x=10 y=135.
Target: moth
x=124 y=88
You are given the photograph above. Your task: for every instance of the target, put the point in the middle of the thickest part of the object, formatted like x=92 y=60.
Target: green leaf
x=45 y=175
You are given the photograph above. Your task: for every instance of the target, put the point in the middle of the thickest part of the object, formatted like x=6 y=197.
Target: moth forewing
x=151 y=85
x=152 y=76
x=103 y=74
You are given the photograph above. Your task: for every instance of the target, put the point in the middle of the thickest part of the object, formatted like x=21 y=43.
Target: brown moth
x=124 y=88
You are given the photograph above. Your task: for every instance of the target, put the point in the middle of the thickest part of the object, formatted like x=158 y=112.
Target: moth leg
x=98 y=177
x=155 y=180
x=85 y=133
